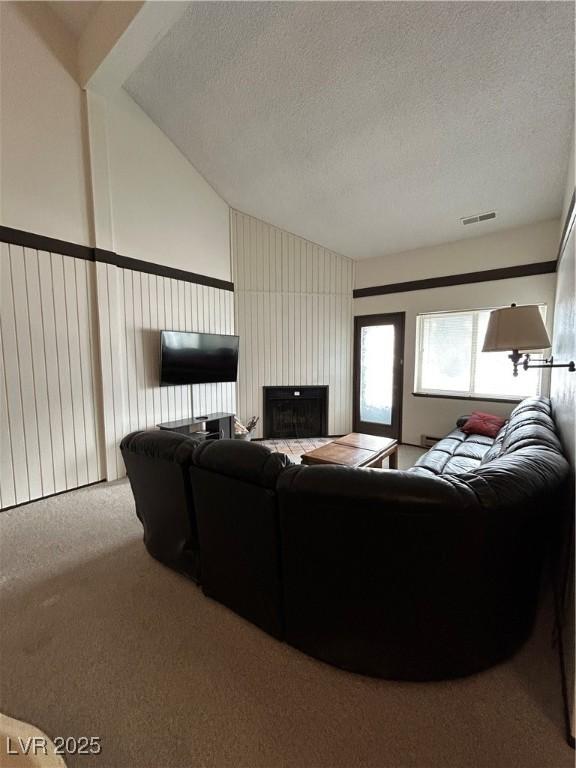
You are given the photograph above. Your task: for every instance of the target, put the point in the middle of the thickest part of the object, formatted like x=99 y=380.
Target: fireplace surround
x=295 y=411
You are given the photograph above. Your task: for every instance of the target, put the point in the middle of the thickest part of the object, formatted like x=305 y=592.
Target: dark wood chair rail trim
x=42 y=243
x=126 y=262
x=473 y=398
x=503 y=273
x=52 y=245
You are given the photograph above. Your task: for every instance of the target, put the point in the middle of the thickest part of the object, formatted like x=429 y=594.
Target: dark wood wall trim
x=42 y=243
x=125 y=262
x=487 y=275
x=515 y=401
x=52 y=245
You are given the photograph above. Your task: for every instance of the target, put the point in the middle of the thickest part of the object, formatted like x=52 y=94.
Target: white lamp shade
x=511 y=328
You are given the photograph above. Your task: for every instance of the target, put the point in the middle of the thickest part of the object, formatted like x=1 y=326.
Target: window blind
x=449 y=359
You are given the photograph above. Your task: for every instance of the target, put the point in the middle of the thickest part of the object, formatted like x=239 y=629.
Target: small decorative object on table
x=245 y=432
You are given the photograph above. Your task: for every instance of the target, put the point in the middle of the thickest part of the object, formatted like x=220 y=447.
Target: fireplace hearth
x=295 y=411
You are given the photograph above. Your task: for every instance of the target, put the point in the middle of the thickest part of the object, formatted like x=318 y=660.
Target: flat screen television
x=197 y=358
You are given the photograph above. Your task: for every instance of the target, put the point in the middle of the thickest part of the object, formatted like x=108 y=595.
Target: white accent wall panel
x=49 y=398
x=293 y=316
x=133 y=307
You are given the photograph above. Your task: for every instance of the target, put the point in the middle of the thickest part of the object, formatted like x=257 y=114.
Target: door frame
x=399 y=321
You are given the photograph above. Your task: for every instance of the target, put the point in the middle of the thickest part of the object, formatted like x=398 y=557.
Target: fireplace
x=295 y=411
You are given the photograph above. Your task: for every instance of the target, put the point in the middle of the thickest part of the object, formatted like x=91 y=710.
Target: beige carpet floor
x=98 y=639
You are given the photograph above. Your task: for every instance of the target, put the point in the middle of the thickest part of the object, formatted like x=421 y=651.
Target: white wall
x=510 y=248
x=162 y=210
x=43 y=170
x=294 y=317
x=437 y=416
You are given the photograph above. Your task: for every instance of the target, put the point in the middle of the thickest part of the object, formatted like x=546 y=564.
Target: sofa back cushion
x=233 y=483
x=528 y=480
x=531 y=424
x=241 y=459
x=538 y=403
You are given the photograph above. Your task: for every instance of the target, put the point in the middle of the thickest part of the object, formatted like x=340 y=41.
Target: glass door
x=378 y=364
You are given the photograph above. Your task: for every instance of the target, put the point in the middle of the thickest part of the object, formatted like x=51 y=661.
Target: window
x=450 y=361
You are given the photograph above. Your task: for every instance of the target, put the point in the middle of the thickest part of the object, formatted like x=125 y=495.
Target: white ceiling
x=371 y=128
x=75 y=15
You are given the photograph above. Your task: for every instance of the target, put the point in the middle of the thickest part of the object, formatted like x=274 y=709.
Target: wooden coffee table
x=355 y=450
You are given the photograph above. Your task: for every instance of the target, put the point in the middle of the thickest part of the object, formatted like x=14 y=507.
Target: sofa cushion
x=481 y=423
x=531 y=424
x=494 y=451
x=474 y=446
x=530 y=434
x=541 y=404
x=530 y=416
x=459 y=464
x=241 y=459
x=524 y=479
x=455 y=453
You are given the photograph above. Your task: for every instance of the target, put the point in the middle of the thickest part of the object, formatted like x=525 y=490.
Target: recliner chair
x=157 y=464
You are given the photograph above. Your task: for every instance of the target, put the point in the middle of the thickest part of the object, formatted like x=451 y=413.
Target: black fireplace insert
x=295 y=411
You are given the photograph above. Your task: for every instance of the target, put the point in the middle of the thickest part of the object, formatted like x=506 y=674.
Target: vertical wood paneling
x=16 y=461
x=52 y=371
x=293 y=305
x=133 y=307
x=42 y=408
x=120 y=350
x=7 y=486
x=75 y=368
x=63 y=359
x=25 y=370
x=49 y=423
x=85 y=276
x=106 y=362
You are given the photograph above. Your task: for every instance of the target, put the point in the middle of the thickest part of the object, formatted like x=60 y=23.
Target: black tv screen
x=197 y=358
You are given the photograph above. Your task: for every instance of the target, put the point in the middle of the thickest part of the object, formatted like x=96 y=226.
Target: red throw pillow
x=483 y=424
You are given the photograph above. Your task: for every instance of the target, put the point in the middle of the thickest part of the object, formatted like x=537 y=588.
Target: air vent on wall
x=478 y=217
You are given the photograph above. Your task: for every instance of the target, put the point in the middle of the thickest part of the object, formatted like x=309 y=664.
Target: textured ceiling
x=75 y=15
x=371 y=128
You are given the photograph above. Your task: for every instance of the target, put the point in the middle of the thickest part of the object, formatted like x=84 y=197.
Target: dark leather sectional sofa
x=424 y=574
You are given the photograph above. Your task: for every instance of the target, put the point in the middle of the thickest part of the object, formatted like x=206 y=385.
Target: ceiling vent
x=479 y=217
